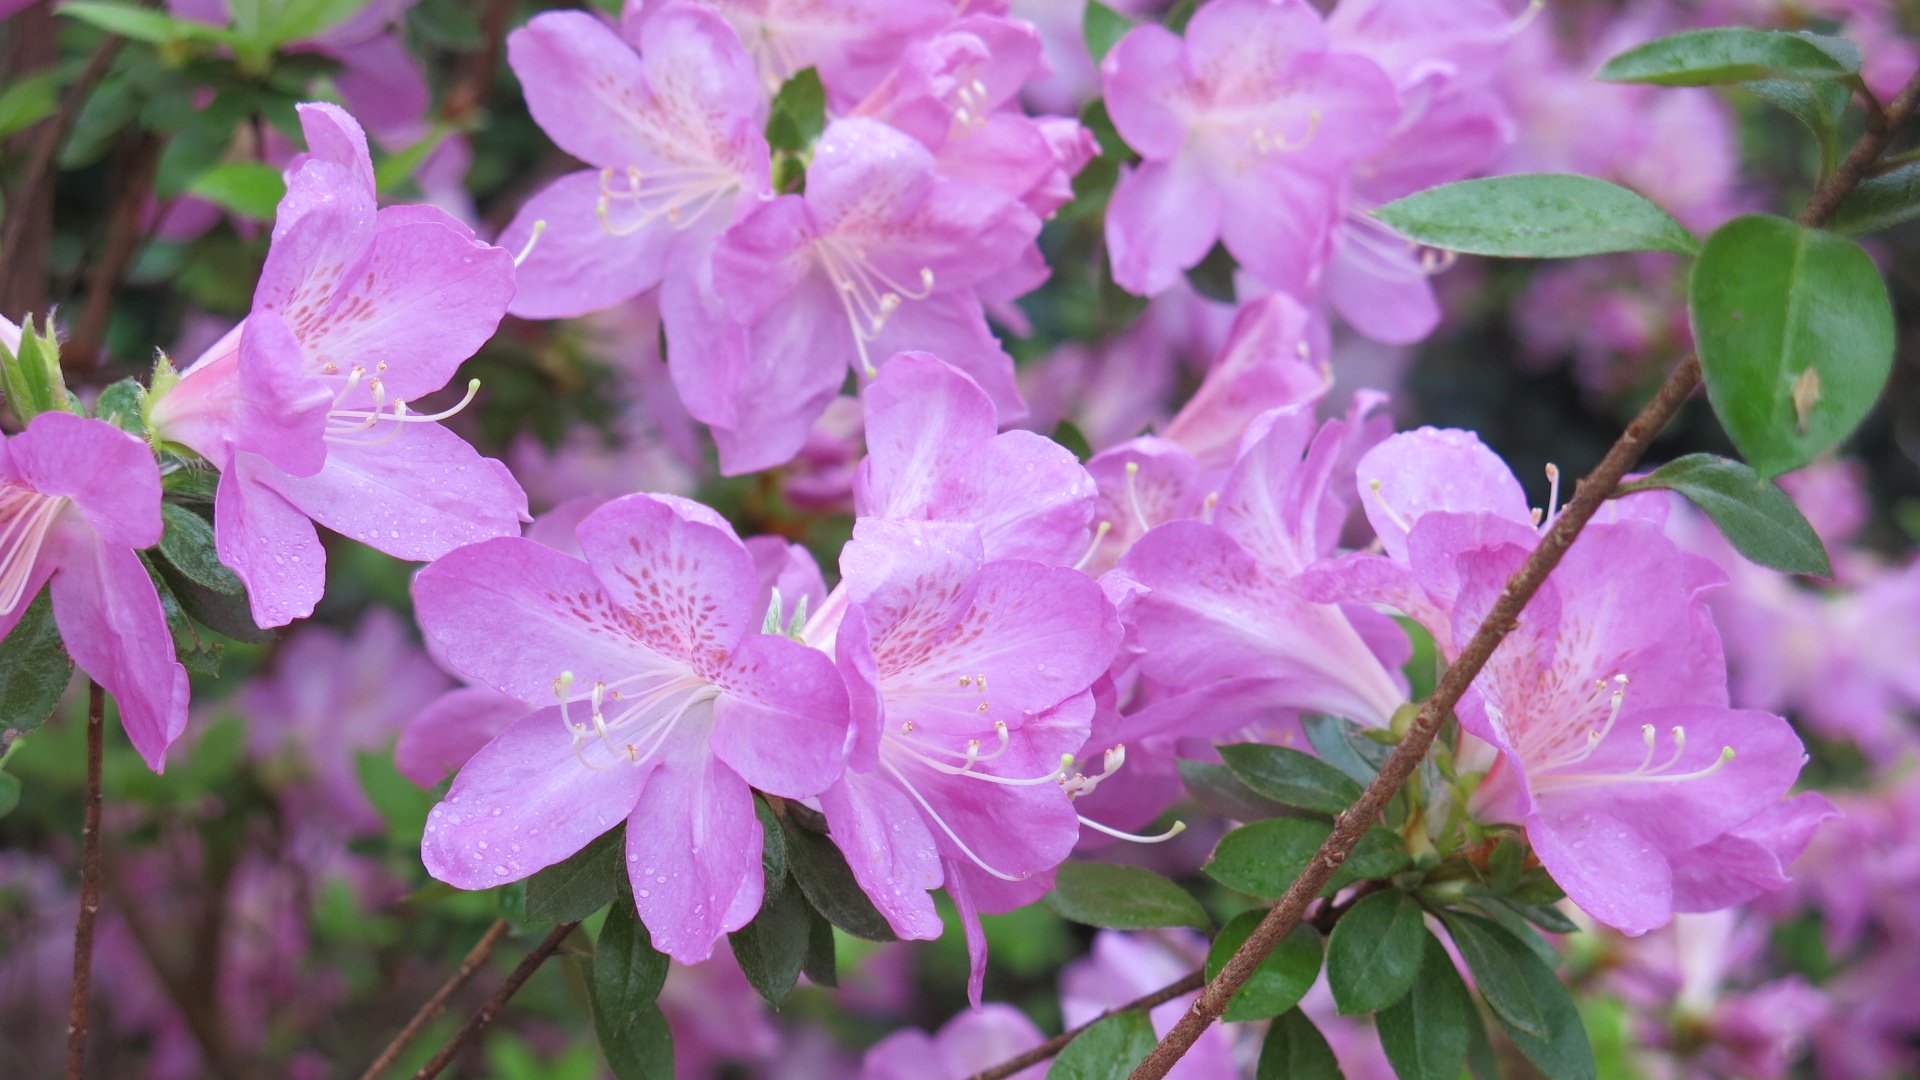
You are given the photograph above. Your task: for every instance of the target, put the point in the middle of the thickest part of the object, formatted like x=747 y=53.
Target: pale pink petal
x=693 y=855
x=1429 y=469
x=782 y=724
x=109 y=474
x=451 y=730
x=1144 y=76
x=1609 y=869
x=1163 y=220
x=580 y=263
x=269 y=543
x=685 y=586
x=890 y=849
x=527 y=800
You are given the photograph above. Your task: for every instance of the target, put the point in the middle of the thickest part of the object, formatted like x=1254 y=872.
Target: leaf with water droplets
x=1122 y=898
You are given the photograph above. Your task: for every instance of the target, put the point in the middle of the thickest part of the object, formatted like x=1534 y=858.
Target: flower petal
x=268 y=542
x=693 y=854
x=451 y=730
x=685 y=584
x=579 y=264
x=782 y=724
x=109 y=474
x=890 y=850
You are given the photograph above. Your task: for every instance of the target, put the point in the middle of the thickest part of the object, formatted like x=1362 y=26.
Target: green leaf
x=399 y=803
x=773 y=844
x=1755 y=516
x=1526 y=997
x=823 y=876
x=121 y=406
x=1218 y=791
x=627 y=971
x=1730 y=55
x=772 y=948
x=298 y=20
x=1381 y=853
x=1536 y=216
x=1880 y=202
x=34 y=668
x=9 y=793
x=1103 y=28
x=30 y=377
x=1342 y=744
x=1108 y=1050
x=1290 y=777
x=1821 y=107
x=1374 y=952
x=1280 y=981
x=1263 y=858
x=1795 y=335
x=636 y=1042
x=1122 y=898
x=1212 y=277
x=29 y=101
x=1295 y=1050
x=820 y=965
x=799 y=113
x=248 y=188
x=142 y=24
x=388 y=174
x=1427 y=1033
x=187 y=543
x=225 y=613
x=582 y=884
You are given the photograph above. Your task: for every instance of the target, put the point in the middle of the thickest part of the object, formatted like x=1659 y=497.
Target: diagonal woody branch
x=1593 y=490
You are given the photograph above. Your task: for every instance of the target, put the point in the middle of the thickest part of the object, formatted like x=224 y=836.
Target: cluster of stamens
x=349 y=424
x=1647 y=771
x=641 y=723
x=869 y=295
x=972 y=108
x=680 y=194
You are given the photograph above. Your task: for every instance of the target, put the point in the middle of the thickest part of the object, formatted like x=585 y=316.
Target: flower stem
x=479 y=1021
x=83 y=923
x=435 y=1005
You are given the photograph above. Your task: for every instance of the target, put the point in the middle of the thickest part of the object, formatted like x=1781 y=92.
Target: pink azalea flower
x=974 y=1040
x=1213 y=604
x=970 y=682
x=672 y=708
x=674 y=137
x=303 y=406
x=935 y=453
x=1607 y=704
x=1246 y=128
x=881 y=254
x=851 y=43
x=78 y=499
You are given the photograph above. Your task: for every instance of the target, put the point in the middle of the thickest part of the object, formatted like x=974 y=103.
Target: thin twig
x=437 y=1004
x=479 y=1021
x=83 y=923
x=117 y=252
x=32 y=204
x=1187 y=985
x=464 y=99
x=1593 y=491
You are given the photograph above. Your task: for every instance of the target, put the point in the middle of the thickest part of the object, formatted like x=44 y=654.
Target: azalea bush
x=951 y=541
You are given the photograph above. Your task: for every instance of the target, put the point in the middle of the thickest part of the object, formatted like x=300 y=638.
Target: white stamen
x=1133 y=497
x=1099 y=534
x=533 y=238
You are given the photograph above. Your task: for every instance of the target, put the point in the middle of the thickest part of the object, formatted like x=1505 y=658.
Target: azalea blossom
x=970 y=685
x=671 y=707
x=879 y=255
x=974 y=1040
x=673 y=135
x=1246 y=128
x=1607 y=703
x=851 y=43
x=303 y=407
x=79 y=498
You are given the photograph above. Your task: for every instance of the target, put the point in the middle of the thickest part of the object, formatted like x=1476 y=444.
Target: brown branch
x=83 y=923
x=464 y=99
x=479 y=1021
x=437 y=1004
x=22 y=282
x=1193 y=981
x=1593 y=491
x=141 y=160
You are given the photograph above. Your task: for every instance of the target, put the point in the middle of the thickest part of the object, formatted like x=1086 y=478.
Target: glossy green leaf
x=1526 y=997
x=1280 y=981
x=29 y=101
x=1290 y=777
x=1106 y=1051
x=824 y=877
x=1881 y=202
x=1536 y=216
x=1428 y=1032
x=1216 y=789
x=1295 y=1050
x=1821 y=107
x=1263 y=858
x=1731 y=54
x=1122 y=898
x=1103 y=28
x=582 y=884
x=1374 y=953
x=188 y=544
x=1381 y=853
x=1755 y=516
x=626 y=980
x=244 y=187
x=224 y=613
x=143 y=24
x=772 y=948
x=798 y=114
x=34 y=668
x=821 y=964
x=1795 y=335
x=1343 y=744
